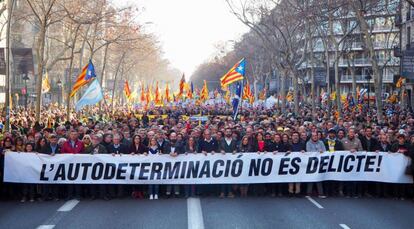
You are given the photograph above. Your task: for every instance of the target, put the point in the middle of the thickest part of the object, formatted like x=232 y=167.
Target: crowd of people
x=171 y=131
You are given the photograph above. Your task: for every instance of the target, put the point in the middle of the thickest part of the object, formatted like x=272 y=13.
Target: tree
x=44 y=14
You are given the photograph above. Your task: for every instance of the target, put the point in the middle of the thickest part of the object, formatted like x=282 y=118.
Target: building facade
x=405 y=21
x=354 y=61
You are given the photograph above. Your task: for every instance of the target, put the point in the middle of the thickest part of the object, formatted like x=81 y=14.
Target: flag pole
x=241 y=96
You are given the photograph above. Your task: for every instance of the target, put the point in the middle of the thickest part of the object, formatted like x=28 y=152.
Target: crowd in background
x=171 y=131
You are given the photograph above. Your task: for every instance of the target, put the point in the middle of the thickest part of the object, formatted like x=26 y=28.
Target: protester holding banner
x=174 y=148
x=403 y=147
x=137 y=148
x=153 y=151
x=259 y=130
x=315 y=145
x=227 y=145
x=352 y=144
x=98 y=190
x=332 y=144
x=190 y=148
x=28 y=190
x=297 y=146
x=51 y=191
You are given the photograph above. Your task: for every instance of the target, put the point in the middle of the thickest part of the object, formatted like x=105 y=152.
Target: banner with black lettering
x=206 y=169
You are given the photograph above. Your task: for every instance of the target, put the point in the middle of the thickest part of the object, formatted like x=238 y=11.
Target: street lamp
x=25 y=79
x=368 y=78
x=59 y=84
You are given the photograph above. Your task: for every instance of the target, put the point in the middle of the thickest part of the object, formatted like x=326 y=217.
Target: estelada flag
x=236 y=73
x=86 y=76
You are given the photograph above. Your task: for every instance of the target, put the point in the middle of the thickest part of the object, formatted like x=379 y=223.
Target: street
x=240 y=213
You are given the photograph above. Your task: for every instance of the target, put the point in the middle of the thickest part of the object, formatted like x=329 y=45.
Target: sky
x=189 y=29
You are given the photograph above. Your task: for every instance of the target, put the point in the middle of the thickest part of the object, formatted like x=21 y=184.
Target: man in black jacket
x=332 y=144
x=97 y=148
x=162 y=142
x=117 y=148
x=227 y=145
x=208 y=144
x=173 y=148
x=368 y=142
x=51 y=191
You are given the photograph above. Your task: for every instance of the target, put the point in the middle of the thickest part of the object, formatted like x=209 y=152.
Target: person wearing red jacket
x=73 y=145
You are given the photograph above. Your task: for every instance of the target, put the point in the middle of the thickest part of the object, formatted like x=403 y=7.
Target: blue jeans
x=153 y=189
x=190 y=190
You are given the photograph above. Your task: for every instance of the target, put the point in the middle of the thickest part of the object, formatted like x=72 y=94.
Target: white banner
x=201 y=169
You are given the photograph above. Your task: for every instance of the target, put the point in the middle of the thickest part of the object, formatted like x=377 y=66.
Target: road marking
x=194 y=214
x=344 y=226
x=314 y=202
x=68 y=206
x=45 y=227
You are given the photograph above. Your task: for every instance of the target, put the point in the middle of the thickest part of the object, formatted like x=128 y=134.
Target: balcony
x=361 y=79
x=367 y=62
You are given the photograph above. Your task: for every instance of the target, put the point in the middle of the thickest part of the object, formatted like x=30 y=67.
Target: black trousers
x=50 y=191
x=73 y=191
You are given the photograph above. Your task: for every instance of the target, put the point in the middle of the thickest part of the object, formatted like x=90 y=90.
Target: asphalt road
x=201 y=213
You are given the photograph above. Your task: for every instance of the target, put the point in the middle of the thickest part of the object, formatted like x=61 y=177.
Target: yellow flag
x=333 y=95
x=289 y=96
x=45 y=84
x=400 y=82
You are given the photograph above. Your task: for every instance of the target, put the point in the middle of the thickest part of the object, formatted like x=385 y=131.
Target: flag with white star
x=235 y=74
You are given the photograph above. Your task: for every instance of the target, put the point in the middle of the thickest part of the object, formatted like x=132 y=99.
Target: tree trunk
x=69 y=87
x=283 y=90
x=328 y=83
x=354 y=87
x=103 y=72
x=313 y=97
x=295 y=92
x=40 y=62
x=10 y=5
x=337 y=87
x=115 y=80
x=377 y=73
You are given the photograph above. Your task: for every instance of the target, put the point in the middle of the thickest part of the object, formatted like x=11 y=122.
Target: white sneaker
x=155 y=197
x=151 y=197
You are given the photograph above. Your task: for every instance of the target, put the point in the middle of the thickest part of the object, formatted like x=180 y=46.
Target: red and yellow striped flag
x=182 y=84
x=247 y=93
x=167 y=94
x=400 y=82
x=204 y=92
x=127 y=90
